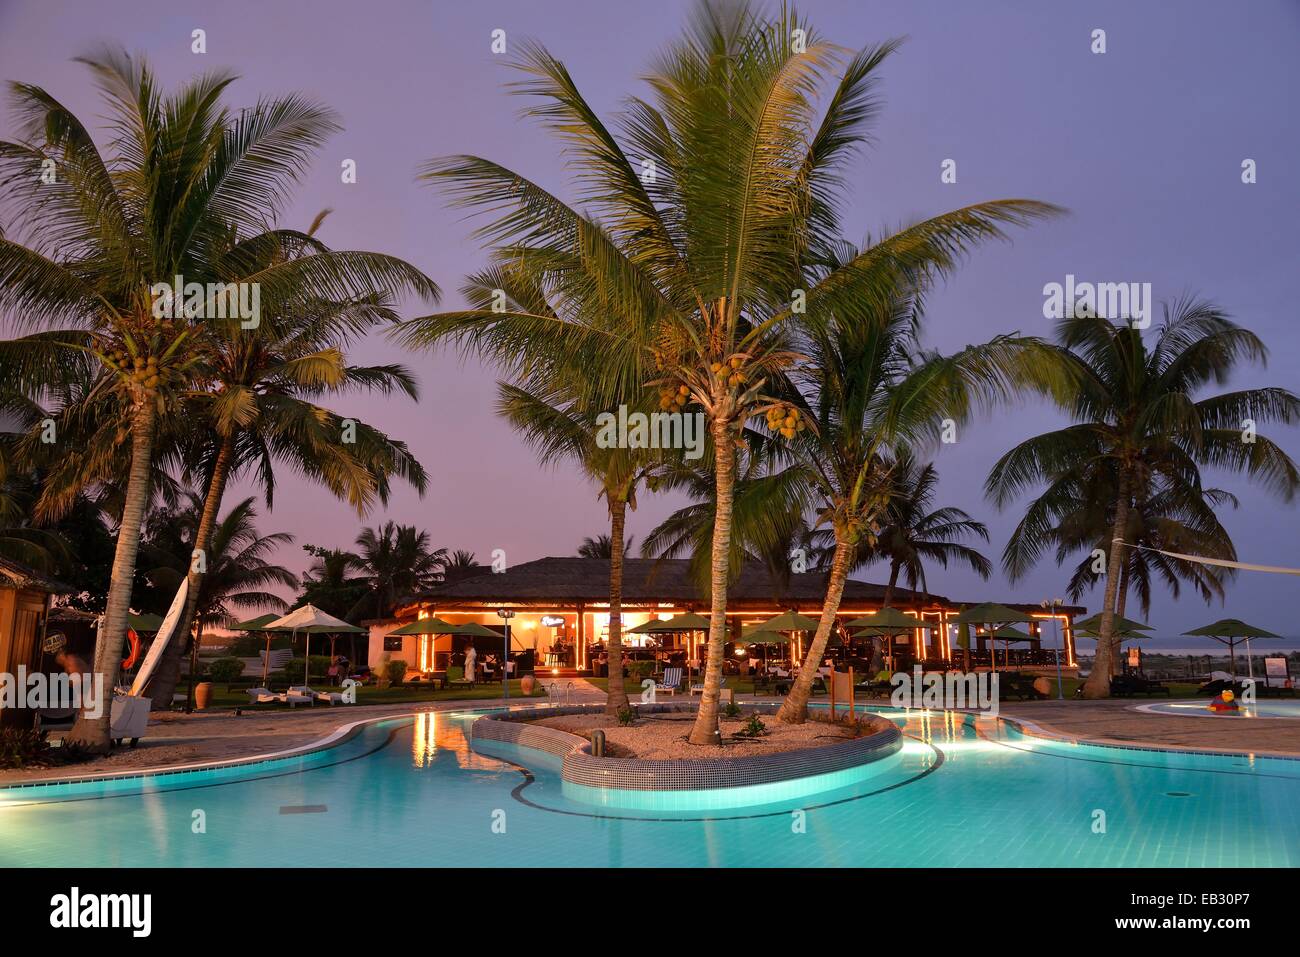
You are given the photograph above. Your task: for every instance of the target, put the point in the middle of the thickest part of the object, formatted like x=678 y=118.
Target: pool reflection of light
x=424 y=739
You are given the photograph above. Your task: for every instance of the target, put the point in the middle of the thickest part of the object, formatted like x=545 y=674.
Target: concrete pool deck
x=1115 y=721
x=179 y=739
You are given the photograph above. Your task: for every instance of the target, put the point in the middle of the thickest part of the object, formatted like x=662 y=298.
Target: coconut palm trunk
x=706 y=720
x=1098 y=683
x=616 y=695
x=93 y=732
x=893 y=582
x=794 y=710
x=163 y=685
x=1119 y=614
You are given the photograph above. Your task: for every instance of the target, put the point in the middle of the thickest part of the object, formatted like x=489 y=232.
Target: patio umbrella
x=650 y=627
x=1228 y=631
x=993 y=616
x=687 y=621
x=789 y=620
x=474 y=630
x=428 y=626
x=887 y=623
x=1006 y=634
x=757 y=636
x=1092 y=625
x=259 y=624
x=310 y=620
x=144 y=622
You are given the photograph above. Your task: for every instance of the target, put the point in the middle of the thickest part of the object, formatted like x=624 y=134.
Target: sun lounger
x=264 y=696
x=698 y=688
x=300 y=694
x=672 y=681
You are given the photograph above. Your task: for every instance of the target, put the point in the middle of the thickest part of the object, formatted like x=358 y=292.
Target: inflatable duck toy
x=1225 y=704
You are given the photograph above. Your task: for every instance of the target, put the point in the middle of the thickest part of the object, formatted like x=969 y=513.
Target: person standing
x=471 y=656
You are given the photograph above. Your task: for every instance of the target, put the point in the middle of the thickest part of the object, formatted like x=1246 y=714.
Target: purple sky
x=1143 y=144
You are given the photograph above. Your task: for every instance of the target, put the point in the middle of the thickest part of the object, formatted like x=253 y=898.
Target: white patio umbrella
x=311 y=620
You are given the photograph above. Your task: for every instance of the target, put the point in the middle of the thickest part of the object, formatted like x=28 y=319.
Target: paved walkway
x=175 y=738
x=1116 y=721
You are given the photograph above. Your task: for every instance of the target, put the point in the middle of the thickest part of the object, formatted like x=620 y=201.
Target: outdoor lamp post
x=1053 y=605
x=505 y=614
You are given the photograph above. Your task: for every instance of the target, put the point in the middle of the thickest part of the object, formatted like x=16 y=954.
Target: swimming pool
x=1201 y=709
x=408 y=791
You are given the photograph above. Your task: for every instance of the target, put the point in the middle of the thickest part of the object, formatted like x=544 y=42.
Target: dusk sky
x=1144 y=144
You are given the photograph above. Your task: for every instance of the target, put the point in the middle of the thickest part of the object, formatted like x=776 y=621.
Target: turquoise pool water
x=408 y=791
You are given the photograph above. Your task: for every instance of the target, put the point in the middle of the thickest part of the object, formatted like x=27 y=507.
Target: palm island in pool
x=692 y=435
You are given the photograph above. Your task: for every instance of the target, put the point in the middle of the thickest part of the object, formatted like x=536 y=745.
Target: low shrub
x=626 y=716
x=22 y=748
x=225 y=670
x=319 y=666
x=754 y=728
x=395 y=671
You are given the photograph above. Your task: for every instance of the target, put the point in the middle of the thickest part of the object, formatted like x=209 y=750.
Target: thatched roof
x=569 y=580
x=18 y=575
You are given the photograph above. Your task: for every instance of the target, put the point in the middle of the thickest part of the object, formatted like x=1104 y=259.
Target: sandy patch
x=663 y=736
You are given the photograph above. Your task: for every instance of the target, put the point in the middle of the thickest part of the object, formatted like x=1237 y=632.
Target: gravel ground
x=663 y=736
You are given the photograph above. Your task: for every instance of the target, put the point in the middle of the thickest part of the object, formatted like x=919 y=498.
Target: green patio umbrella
x=651 y=627
x=756 y=635
x=687 y=621
x=474 y=630
x=789 y=621
x=887 y=623
x=1229 y=631
x=255 y=624
x=1006 y=634
x=1092 y=626
x=888 y=618
x=259 y=624
x=994 y=616
x=150 y=623
x=428 y=626
x=1125 y=629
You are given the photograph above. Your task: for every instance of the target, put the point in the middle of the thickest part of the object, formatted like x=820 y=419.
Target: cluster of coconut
x=141 y=370
x=733 y=369
x=673 y=398
x=785 y=420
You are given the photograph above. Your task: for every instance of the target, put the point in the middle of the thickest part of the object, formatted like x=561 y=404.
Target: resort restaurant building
x=560 y=618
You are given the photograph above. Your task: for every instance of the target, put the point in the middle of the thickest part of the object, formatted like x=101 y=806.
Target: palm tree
x=914 y=534
x=700 y=212
x=460 y=564
x=1168 y=516
x=185 y=189
x=266 y=407
x=330 y=583
x=602 y=546
x=559 y=428
x=397 y=561
x=872 y=394
x=239 y=568
x=1139 y=429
